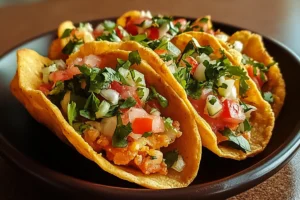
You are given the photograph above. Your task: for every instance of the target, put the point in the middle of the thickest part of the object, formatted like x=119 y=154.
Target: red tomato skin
x=160 y=51
x=256 y=78
x=45 y=88
x=119 y=33
x=142 y=125
x=193 y=63
x=152 y=33
x=232 y=112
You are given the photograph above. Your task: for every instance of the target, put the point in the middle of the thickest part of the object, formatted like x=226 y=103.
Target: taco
x=233 y=119
x=261 y=67
x=115 y=110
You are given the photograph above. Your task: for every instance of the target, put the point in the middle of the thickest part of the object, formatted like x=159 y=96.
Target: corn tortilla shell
x=255 y=49
x=28 y=78
x=262 y=120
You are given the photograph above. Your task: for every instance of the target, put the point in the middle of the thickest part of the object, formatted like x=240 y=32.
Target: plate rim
x=267 y=166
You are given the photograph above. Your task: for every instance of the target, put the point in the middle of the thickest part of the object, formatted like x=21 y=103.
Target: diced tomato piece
x=62 y=75
x=256 y=78
x=97 y=33
x=152 y=33
x=142 y=125
x=131 y=28
x=192 y=62
x=182 y=22
x=45 y=87
x=232 y=112
x=160 y=51
x=126 y=91
x=119 y=33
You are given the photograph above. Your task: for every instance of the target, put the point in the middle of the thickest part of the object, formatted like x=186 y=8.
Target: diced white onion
x=237 y=45
x=140 y=76
x=163 y=29
x=155 y=112
x=146 y=94
x=91 y=60
x=100 y=28
x=60 y=64
x=135 y=136
x=172 y=67
x=127 y=76
x=46 y=72
x=222 y=37
x=179 y=164
x=212 y=62
x=146 y=14
x=202 y=58
x=199 y=73
x=103 y=109
x=248 y=113
x=88 y=37
x=86 y=28
x=230 y=91
x=137 y=113
x=215 y=109
x=108 y=126
x=110 y=95
x=158 y=125
x=147 y=23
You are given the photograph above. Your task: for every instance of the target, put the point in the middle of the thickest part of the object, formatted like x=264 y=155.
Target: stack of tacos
x=140 y=96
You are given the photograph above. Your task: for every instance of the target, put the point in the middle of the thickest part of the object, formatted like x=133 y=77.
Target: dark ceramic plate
x=36 y=150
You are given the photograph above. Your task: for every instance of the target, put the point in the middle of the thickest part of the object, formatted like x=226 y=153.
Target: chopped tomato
x=97 y=33
x=62 y=75
x=152 y=33
x=160 y=51
x=256 y=78
x=45 y=87
x=142 y=125
x=120 y=33
x=232 y=112
x=126 y=91
x=131 y=28
x=182 y=23
x=192 y=62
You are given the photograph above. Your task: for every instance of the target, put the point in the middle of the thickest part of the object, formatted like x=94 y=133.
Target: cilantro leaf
x=119 y=138
x=59 y=87
x=80 y=127
x=123 y=64
x=240 y=141
x=70 y=46
x=112 y=37
x=92 y=103
x=129 y=102
x=66 y=33
x=134 y=57
x=268 y=96
x=171 y=157
x=87 y=114
x=161 y=99
x=138 y=38
x=72 y=113
x=247 y=126
x=203 y=20
x=147 y=134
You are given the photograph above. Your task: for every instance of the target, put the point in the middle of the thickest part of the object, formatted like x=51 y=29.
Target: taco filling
x=115 y=111
x=214 y=87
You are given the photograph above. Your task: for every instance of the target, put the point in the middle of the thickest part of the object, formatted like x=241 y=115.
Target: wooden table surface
x=278 y=19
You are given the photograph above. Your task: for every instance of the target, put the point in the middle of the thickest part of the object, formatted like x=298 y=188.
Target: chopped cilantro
x=268 y=96
x=69 y=48
x=203 y=20
x=119 y=138
x=240 y=141
x=129 y=102
x=80 y=127
x=171 y=157
x=140 y=92
x=134 y=57
x=213 y=101
x=138 y=38
x=147 y=134
x=161 y=99
x=72 y=113
x=247 y=126
x=59 y=87
x=66 y=33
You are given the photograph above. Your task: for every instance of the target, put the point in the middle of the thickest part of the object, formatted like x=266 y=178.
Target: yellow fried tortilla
x=255 y=49
x=262 y=121
x=132 y=14
x=28 y=78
